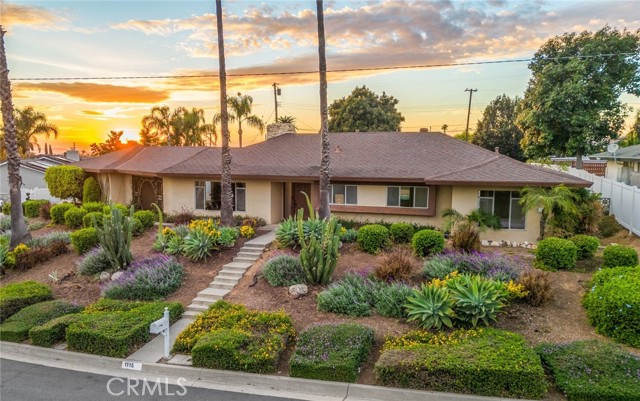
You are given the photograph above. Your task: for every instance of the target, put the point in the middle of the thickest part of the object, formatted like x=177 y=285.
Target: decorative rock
x=485 y=243
x=495 y=243
x=105 y=276
x=116 y=276
x=298 y=291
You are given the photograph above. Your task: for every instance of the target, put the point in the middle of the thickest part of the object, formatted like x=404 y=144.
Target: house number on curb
x=131 y=365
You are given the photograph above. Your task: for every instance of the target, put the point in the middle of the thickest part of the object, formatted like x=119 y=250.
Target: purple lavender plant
x=148 y=279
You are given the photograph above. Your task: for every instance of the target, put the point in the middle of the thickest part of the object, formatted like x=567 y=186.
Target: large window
x=209 y=194
x=408 y=197
x=344 y=194
x=504 y=204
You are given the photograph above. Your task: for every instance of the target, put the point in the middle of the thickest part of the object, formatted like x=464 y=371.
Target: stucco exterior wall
x=465 y=199
x=277 y=202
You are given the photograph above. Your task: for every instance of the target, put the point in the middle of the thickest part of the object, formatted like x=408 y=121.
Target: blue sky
x=152 y=38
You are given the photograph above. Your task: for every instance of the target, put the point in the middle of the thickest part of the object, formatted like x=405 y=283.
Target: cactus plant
x=115 y=237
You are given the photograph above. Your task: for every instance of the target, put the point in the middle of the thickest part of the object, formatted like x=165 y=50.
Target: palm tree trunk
x=19 y=232
x=226 y=201
x=324 y=209
x=240 y=133
x=543 y=224
x=579 y=160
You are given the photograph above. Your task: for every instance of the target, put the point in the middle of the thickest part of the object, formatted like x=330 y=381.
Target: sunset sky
x=87 y=39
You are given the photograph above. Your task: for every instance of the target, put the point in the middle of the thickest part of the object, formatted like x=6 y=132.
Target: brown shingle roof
x=382 y=156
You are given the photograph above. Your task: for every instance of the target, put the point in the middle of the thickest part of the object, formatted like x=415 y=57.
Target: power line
x=258 y=74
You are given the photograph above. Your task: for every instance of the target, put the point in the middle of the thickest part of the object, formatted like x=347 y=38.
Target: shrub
x=247 y=232
x=198 y=245
x=351 y=296
x=6 y=208
x=5 y=223
x=84 y=239
x=124 y=210
x=587 y=245
x=608 y=226
x=146 y=217
x=489 y=265
x=537 y=285
x=92 y=217
x=32 y=207
x=137 y=229
x=592 y=370
x=231 y=337
x=93 y=207
x=64 y=181
x=16 y=296
x=477 y=299
x=401 y=233
x=287 y=233
x=45 y=211
x=33 y=256
x=36 y=226
x=465 y=237
x=91 y=190
x=73 y=218
x=331 y=352
x=116 y=328
x=52 y=331
x=58 y=211
x=115 y=236
x=619 y=255
x=283 y=270
x=16 y=328
x=613 y=304
x=94 y=262
x=45 y=240
x=372 y=238
x=228 y=236
x=348 y=235
x=148 y=279
x=396 y=265
x=427 y=242
x=556 y=253
x=389 y=299
x=439 y=266
x=464 y=361
x=184 y=217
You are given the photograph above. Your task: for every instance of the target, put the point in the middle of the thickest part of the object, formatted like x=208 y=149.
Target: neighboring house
x=409 y=177
x=32 y=173
x=597 y=167
x=623 y=165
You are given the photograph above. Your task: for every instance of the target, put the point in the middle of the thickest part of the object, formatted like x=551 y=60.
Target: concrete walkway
x=221 y=285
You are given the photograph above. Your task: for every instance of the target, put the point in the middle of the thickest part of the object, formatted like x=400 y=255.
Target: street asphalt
x=21 y=381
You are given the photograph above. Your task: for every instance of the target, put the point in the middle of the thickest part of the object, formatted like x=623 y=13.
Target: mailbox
x=159 y=325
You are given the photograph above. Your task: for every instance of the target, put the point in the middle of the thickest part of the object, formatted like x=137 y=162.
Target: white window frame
x=238 y=187
x=346 y=198
x=493 y=205
x=413 y=189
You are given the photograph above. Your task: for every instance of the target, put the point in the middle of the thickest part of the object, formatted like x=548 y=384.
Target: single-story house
x=32 y=173
x=389 y=176
x=623 y=165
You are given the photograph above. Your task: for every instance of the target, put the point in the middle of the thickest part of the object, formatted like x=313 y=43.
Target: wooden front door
x=298 y=201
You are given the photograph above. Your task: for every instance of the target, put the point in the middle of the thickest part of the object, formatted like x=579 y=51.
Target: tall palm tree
x=547 y=199
x=29 y=124
x=240 y=107
x=226 y=198
x=195 y=130
x=19 y=232
x=445 y=127
x=324 y=209
x=158 y=124
x=287 y=120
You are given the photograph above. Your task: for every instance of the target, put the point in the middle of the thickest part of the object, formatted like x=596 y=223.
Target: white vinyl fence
x=624 y=199
x=38 y=193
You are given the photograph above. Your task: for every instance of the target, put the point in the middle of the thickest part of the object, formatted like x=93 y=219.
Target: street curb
x=240 y=382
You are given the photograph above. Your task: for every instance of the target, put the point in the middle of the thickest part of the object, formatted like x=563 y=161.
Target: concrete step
x=189 y=314
x=204 y=301
x=238 y=265
x=248 y=255
x=244 y=259
x=196 y=308
x=253 y=246
x=213 y=293
x=229 y=275
x=235 y=270
x=252 y=251
x=224 y=280
x=222 y=286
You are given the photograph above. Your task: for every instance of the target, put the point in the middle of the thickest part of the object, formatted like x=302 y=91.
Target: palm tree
x=547 y=199
x=157 y=125
x=19 y=232
x=324 y=209
x=445 y=127
x=29 y=124
x=226 y=198
x=287 y=120
x=241 y=106
x=196 y=131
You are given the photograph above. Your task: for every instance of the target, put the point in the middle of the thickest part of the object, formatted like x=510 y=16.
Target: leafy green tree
x=240 y=108
x=572 y=104
x=497 y=128
x=364 y=111
x=65 y=181
x=633 y=136
x=558 y=198
x=112 y=144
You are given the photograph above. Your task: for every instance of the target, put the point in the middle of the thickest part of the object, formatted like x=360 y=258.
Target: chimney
x=338 y=149
x=497 y=150
x=277 y=129
x=72 y=154
x=424 y=129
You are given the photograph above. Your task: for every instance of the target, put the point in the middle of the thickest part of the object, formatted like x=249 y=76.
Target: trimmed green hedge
x=92 y=207
x=57 y=212
x=87 y=220
x=16 y=296
x=52 y=332
x=556 y=254
x=486 y=361
x=613 y=304
x=65 y=181
x=6 y=208
x=115 y=328
x=587 y=245
x=32 y=207
x=16 y=328
x=593 y=370
x=91 y=190
x=619 y=255
x=84 y=239
x=73 y=217
x=427 y=242
x=401 y=233
x=372 y=238
x=146 y=217
x=331 y=352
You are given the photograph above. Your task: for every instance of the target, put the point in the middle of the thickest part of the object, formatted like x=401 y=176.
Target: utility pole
x=466 y=132
x=276 y=93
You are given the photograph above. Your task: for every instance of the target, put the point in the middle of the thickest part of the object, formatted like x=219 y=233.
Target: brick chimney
x=277 y=129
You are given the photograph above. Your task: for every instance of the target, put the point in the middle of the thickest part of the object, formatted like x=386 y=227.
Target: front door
x=298 y=201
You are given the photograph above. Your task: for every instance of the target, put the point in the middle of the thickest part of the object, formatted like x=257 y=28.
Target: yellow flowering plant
x=247 y=232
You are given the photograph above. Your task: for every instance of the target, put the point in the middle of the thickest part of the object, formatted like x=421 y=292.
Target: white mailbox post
x=162 y=326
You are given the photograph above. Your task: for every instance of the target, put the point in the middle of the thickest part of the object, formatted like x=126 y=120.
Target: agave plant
x=198 y=245
x=287 y=233
x=174 y=245
x=431 y=307
x=477 y=299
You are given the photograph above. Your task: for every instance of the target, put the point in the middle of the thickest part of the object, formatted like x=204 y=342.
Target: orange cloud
x=98 y=93
x=92 y=113
x=15 y=14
